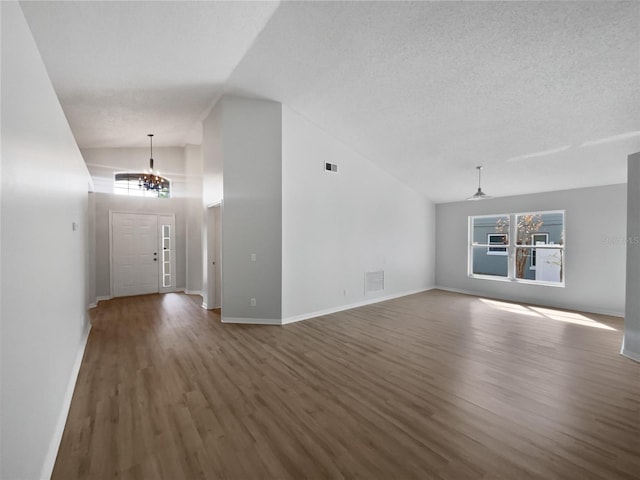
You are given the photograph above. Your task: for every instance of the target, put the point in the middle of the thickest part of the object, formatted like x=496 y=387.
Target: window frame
x=132 y=178
x=502 y=246
x=512 y=247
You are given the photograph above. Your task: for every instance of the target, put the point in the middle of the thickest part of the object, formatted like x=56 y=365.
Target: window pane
x=130 y=184
x=540 y=264
x=485 y=263
x=485 y=226
x=523 y=260
x=540 y=227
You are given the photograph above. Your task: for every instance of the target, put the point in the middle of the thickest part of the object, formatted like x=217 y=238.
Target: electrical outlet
x=252 y=302
x=331 y=167
x=253 y=257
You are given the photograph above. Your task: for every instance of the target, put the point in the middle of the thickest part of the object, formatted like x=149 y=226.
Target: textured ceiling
x=125 y=69
x=545 y=95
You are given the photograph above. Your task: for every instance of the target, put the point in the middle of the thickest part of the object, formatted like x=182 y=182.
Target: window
x=130 y=184
x=166 y=255
x=537 y=239
x=497 y=239
x=486 y=258
x=522 y=247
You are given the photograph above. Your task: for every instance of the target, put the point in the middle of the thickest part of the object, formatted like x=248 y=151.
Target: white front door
x=135 y=254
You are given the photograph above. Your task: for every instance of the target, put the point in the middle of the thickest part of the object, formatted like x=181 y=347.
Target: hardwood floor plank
x=436 y=385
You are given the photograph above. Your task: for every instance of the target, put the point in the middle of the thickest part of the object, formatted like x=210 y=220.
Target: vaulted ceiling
x=545 y=95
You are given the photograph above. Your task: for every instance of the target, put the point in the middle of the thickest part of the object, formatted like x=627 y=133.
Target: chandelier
x=152 y=181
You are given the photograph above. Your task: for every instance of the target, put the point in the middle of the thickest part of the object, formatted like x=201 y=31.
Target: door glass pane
x=166 y=255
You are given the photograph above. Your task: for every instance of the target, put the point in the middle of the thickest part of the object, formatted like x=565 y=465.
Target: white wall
x=103 y=163
x=595 y=226
x=338 y=226
x=242 y=158
x=43 y=312
x=252 y=209
x=631 y=344
x=91 y=249
x=104 y=202
x=212 y=166
x=212 y=161
x=193 y=213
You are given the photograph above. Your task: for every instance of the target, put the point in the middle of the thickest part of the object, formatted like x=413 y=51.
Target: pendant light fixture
x=479 y=195
x=151 y=180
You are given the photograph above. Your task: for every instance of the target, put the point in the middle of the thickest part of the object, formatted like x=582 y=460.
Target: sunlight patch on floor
x=550 y=313
x=510 y=307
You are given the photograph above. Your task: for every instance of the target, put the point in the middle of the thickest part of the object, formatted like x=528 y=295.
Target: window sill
x=516 y=280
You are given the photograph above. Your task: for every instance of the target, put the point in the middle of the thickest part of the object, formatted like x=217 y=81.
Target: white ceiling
x=123 y=69
x=545 y=95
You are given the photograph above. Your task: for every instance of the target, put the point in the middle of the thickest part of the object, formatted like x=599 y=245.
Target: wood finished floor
x=431 y=386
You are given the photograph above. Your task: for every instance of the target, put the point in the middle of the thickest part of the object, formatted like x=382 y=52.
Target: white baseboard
x=628 y=353
x=253 y=321
x=578 y=308
x=341 y=308
x=54 y=445
x=206 y=307
x=458 y=290
x=632 y=355
x=193 y=292
x=98 y=300
x=318 y=313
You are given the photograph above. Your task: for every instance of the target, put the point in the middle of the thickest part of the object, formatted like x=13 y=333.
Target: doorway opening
x=213 y=270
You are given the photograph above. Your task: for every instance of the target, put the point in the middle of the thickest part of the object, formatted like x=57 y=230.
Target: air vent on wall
x=331 y=167
x=374 y=281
